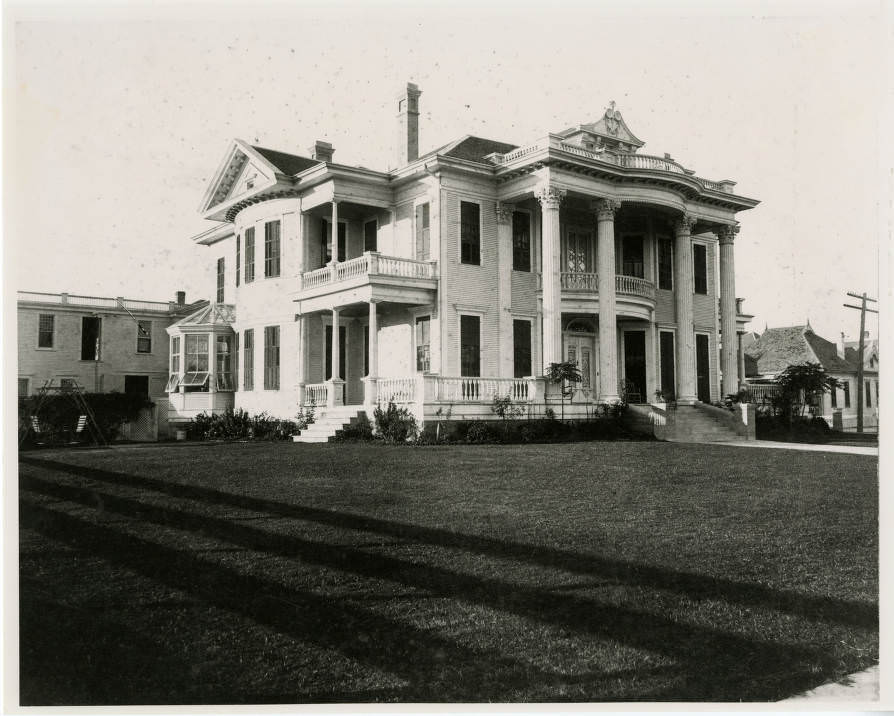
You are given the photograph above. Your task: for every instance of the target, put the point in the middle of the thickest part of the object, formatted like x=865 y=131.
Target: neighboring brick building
x=462 y=273
x=105 y=344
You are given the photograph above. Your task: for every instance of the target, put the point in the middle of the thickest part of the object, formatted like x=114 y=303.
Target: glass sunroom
x=202 y=375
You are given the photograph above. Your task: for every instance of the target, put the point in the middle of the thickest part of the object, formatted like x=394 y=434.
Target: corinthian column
x=550 y=197
x=608 y=324
x=683 y=294
x=728 y=353
x=504 y=288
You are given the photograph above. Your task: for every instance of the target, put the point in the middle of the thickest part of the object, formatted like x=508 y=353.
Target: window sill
x=39 y=348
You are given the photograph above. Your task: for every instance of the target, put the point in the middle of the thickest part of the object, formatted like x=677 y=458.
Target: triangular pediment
x=242 y=172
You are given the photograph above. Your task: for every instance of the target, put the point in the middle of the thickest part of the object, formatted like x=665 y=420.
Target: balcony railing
x=369 y=264
x=588 y=282
x=621 y=159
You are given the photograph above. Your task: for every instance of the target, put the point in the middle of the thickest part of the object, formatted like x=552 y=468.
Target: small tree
x=798 y=384
x=564 y=374
x=505 y=409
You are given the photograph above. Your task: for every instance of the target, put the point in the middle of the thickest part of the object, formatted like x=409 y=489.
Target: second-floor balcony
x=588 y=283
x=370 y=276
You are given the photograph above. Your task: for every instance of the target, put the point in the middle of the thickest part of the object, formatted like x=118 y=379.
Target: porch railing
x=762 y=393
x=396 y=390
x=481 y=390
x=316 y=394
x=370 y=263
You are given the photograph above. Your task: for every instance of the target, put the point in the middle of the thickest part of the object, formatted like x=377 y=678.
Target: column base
x=335 y=393
x=370 y=392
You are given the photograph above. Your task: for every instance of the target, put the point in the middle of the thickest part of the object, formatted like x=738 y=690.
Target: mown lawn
x=282 y=573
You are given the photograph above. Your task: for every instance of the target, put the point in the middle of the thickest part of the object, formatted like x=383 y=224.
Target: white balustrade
x=633 y=286
x=644 y=161
x=396 y=390
x=316 y=394
x=481 y=390
x=369 y=264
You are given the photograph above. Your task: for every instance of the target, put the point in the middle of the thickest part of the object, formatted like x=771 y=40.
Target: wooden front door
x=582 y=349
x=635 y=366
x=702 y=368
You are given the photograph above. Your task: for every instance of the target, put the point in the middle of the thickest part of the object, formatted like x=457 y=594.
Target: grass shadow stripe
x=693 y=585
x=714 y=656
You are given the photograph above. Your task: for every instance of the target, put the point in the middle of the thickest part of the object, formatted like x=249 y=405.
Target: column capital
x=549 y=196
x=605 y=208
x=504 y=212
x=727 y=234
x=684 y=224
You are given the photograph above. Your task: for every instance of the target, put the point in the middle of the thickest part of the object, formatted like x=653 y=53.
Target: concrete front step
x=329 y=422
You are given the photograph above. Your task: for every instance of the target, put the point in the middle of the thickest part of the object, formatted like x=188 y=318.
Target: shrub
x=305 y=417
x=480 y=433
x=395 y=425
x=239 y=425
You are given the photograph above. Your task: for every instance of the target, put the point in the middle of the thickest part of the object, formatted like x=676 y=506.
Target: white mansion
x=462 y=274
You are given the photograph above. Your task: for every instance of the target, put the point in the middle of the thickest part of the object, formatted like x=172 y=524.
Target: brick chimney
x=321 y=151
x=181 y=298
x=407 y=145
x=840 y=346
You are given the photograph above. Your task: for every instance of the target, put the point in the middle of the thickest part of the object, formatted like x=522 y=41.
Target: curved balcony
x=634 y=296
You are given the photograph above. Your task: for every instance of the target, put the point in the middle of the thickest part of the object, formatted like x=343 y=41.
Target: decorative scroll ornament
x=612 y=119
x=684 y=224
x=504 y=213
x=727 y=234
x=550 y=196
x=606 y=208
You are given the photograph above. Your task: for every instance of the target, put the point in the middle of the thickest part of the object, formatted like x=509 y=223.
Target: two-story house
x=461 y=274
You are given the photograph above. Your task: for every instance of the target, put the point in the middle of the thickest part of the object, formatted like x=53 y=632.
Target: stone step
x=329 y=422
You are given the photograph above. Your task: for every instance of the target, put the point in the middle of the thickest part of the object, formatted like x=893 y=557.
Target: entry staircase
x=698 y=423
x=329 y=422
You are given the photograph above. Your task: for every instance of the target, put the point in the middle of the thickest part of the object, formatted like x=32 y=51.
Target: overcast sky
x=117 y=117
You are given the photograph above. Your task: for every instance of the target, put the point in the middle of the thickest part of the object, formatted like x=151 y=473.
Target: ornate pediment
x=609 y=131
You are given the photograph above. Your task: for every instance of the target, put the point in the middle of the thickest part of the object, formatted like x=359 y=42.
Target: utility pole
x=863 y=310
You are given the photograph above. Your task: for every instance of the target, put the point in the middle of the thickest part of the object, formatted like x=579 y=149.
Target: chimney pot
x=408 y=125
x=181 y=298
x=321 y=151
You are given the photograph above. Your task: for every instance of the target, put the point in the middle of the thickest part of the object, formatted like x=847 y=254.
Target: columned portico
x=683 y=291
x=504 y=285
x=608 y=326
x=336 y=393
x=550 y=198
x=728 y=351
x=369 y=382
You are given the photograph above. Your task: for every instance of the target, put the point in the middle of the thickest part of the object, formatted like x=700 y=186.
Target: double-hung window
x=423 y=232
x=248 y=359
x=665 y=264
x=521 y=348
x=174 y=377
x=521 y=241
x=46 y=330
x=271 y=358
x=271 y=249
x=700 y=268
x=470 y=233
x=470 y=346
x=423 y=344
x=144 y=336
x=238 y=257
x=196 y=370
x=221 y=279
x=249 y=255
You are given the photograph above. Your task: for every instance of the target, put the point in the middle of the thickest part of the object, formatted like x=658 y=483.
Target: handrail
x=370 y=263
x=316 y=394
